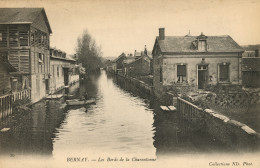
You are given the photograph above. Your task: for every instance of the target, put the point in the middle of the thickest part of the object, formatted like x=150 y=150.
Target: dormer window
x=202 y=45
x=202 y=42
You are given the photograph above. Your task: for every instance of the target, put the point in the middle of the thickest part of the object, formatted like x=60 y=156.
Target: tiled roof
x=122 y=55
x=251 y=64
x=21 y=15
x=129 y=59
x=70 y=57
x=63 y=59
x=132 y=61
x=186 y=44
x=248 y=54
x=138 y=54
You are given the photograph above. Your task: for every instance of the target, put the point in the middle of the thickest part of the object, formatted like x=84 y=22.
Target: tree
x=88 y=52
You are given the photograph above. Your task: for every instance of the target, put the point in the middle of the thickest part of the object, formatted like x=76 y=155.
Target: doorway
x=66 y=76
x=47 y=88
x=202 y=76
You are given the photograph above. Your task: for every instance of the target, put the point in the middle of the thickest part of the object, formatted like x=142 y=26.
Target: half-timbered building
x=24 y=43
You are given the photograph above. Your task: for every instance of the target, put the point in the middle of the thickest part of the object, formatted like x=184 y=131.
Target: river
x=123 y=122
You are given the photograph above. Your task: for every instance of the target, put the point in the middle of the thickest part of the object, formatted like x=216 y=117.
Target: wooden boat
x=168 y=108
x=76 y=102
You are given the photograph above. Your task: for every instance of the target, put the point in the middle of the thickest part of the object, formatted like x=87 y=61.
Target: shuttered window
x=24 y=38
x=223 y=73
x=13 y=36
x=3 y=36
x=23 y=32
x=181 y=73
x=181 y=70
x=58 y=72
x=161 y=75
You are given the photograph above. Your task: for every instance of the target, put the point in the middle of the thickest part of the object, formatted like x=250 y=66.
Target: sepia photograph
x=129 y=83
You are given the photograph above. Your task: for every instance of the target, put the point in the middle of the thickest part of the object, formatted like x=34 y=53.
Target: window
x=13 y=36
x=58 y=72
x=40 y=58
x=3 y=36
x=224 y=72
x=32 y=38
x=181 y=73
x=53 y=71
x=24 y=38
x=202 y=45
x=161 y=75
x=202 y=67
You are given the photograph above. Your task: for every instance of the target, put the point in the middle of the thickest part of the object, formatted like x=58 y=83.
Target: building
x=189 y=62
x=24 y=41
x=63 y=70
x=7 y=83
x=118 y=63
x=251 y=69
x=109 y=67
x=138 y=65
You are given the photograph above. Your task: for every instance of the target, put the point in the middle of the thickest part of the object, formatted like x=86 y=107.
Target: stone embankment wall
x=138 y=84
x=230 y=132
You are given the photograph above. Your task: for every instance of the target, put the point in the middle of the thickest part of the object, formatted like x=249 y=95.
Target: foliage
x=21 y=105
x=89 y=53
x=21 y=102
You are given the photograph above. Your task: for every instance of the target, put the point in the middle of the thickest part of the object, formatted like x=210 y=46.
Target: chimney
x=257 y=53
x=145 y=50
x=161 y=33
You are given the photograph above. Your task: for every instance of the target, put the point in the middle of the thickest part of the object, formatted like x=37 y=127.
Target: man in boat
x=84 y=97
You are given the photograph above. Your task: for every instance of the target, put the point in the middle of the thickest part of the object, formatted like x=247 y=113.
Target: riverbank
x=140 y=84
x=224 y=129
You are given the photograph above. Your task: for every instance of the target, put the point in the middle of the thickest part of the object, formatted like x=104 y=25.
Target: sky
x=125 y=26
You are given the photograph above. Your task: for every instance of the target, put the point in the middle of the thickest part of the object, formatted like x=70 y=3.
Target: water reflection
x=32 y=131
x=119 y=123
x=124 y=122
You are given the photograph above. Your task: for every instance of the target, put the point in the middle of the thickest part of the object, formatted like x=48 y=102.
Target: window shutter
x=223 y=72
x=181 y=70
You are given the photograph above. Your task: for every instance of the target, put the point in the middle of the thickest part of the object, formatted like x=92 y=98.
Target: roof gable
x=135 y=60
x=24 y=16
x=186 y=44
x=121 y=56
x=129 y=59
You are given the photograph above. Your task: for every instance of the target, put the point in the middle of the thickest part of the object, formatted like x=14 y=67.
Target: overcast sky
x=119 y=25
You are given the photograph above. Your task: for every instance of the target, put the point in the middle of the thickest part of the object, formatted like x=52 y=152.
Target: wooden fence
x=6 y=101
x=188 y=110
x=21 y=95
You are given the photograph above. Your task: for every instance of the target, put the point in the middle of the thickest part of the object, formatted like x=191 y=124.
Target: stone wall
x=230 y=132
x=142 y=86
x=158 y=85
x=170 y=68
